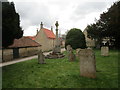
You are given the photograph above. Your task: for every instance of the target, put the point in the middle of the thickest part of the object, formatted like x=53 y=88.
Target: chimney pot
x=41 y=25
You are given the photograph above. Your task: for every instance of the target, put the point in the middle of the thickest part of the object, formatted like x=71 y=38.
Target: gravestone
x=71 y=55
x=68 y=48
x=41 y=58
x=104 y=51
x=77 y=52
x=87 y=63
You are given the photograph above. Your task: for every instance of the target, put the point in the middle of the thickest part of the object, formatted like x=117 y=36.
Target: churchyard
x=90 y=59
x=62 y=73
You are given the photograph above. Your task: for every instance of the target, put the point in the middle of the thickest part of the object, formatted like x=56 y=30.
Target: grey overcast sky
x=69 y=13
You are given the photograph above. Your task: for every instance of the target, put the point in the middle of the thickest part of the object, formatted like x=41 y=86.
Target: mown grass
x=60 y=73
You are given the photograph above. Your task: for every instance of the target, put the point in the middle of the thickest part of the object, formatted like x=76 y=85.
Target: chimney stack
x=37 y=31
x=41 y=25
x=52 y=28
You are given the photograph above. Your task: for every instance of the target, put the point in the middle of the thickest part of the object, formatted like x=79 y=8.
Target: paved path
x=24 y=59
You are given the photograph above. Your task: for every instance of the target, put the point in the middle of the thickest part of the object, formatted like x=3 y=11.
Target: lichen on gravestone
x=87 y=63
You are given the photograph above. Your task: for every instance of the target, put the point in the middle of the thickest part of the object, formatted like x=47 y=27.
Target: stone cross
x=41 y=57
x=56 y=24
x=57 y=48
x=87 y=63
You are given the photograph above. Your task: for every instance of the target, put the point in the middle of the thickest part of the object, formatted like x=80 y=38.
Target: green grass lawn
x=60 y=73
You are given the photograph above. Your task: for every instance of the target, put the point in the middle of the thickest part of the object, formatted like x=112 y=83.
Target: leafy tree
x=107 y=25
x=94 y=31
x=10 y=24
x=75 y=38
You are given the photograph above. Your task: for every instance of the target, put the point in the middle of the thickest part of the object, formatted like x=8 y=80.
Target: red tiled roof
x=24 y=42
x=49 y=33
x=31 y=37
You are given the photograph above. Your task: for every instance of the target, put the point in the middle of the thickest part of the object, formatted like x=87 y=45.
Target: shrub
x=75 y=38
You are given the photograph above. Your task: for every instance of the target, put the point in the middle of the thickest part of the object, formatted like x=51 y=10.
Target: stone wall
x=23 y=52
x=90 y=43
x=30 y=51
x=7 y=55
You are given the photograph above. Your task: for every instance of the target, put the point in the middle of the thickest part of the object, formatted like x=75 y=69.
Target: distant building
x=22 y=47
x=89 y=42
x=46 y=38
x=63 y=37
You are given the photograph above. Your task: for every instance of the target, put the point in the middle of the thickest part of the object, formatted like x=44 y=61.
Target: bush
x=75 y=38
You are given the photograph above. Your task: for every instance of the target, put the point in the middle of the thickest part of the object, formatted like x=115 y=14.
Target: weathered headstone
x=104 y=51
x=77 y=51
x=87 y=63
x=71 y=55
x=41 y=57
x=68 y=48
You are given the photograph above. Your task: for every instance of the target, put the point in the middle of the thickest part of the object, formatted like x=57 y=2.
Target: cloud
x=82 y=10
x=32 y=13
x=69 y=13
x=88 y=7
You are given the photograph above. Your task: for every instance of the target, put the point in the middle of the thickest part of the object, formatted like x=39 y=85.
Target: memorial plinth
x=56 y=53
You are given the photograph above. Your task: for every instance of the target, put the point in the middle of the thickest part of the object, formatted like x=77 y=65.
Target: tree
x=75 y=38
x=94 y=32
x=107 y=25
x=10 y=24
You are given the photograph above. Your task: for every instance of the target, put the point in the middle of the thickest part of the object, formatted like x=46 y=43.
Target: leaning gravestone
x=41 y=57
x=87 y=63
x=104 y=51
x=71 y=55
